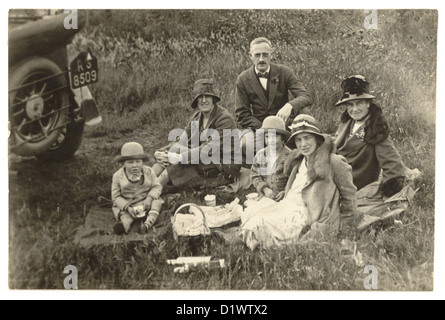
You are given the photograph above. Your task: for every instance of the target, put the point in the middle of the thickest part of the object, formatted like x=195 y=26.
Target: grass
x=146 y=76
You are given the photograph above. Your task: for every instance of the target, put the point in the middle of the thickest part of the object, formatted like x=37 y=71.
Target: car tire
x=39 y=98
x=66 y=145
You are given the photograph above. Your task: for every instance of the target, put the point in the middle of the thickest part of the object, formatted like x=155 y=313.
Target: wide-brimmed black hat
x=204 y=87
x=354 y=88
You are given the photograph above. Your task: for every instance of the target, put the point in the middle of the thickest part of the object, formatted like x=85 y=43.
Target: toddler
x=135 y=191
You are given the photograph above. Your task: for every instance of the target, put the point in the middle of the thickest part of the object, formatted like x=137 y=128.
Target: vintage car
x=47 y=112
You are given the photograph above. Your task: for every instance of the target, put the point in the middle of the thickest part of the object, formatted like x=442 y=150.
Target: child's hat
x=132 y=151
x=277 y=124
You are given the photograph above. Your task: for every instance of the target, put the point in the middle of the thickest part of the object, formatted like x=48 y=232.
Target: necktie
x=263 y=75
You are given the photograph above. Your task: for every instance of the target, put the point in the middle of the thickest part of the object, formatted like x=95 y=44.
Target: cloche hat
x=204 y=87
x=301 y=124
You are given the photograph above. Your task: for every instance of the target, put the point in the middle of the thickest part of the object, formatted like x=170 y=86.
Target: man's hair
x=260 y=40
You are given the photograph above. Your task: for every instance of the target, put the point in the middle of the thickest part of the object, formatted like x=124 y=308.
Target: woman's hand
x=174 y=158
x=269 y=193
x=280 y=196
x=162 y=158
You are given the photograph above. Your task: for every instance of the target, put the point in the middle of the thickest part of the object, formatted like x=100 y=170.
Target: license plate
x=83 y=70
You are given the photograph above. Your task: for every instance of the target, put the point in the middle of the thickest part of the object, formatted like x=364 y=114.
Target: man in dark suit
x=263 y=90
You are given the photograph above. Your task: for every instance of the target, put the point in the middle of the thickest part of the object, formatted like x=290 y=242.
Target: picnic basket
x=190 y=230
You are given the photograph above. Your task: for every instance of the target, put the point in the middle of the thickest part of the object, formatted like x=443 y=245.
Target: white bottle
x=185 y=264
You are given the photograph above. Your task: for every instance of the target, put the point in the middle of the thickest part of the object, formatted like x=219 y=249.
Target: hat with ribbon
x=303 y=123
x=277 y=124
x=354 y=88
x=204 y=87
x=132 y=151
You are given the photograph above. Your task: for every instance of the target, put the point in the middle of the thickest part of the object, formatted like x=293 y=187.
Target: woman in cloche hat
x=208 y=115
x=363 y=139
x=318 y=194
x=135 y=190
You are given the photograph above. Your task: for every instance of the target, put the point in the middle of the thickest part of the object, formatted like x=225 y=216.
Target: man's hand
x=285 y=112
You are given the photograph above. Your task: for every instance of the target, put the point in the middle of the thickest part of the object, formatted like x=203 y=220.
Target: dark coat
x=252 y=105
x=369 y=150
x=329 y=193
x=219 y=120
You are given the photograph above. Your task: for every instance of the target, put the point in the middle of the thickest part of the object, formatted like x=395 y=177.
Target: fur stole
x=376 y=127
x=318 y=163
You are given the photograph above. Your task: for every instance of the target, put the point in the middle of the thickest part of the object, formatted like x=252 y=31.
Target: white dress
x=268 y=223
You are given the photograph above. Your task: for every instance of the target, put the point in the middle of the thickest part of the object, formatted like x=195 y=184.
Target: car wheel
x=66 y=144
x=38 y=105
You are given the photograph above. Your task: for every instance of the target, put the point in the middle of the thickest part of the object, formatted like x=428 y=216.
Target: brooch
x=274 y=80
x=361 y=134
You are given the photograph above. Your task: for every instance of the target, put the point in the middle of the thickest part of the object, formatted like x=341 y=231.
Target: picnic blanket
x=373 y=207
x=98 y=226
x=243 y=182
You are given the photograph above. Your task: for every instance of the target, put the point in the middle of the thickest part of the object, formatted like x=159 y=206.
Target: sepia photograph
x=222 y=150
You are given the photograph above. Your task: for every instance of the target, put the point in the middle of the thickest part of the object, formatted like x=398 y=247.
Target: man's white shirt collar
x=263 y=81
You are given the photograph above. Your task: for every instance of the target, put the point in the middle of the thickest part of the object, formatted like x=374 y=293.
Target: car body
x=46 y=116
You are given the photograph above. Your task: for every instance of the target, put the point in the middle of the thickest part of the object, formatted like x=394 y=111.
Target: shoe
x=119 y=228
x=143 y=228
x=171 y=200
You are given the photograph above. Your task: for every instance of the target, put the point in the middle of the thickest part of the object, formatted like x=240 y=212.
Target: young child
x=271 y=184
x=135 y=190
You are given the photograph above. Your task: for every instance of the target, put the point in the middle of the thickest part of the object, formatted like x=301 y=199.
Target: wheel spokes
x=43 y=89
x=18 y=113
x=43 y=129
x=34 y=110
x=21 y=100
x=48 y=98
x=21 y=124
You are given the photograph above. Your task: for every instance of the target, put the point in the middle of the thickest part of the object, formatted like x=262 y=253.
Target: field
x=148 y=61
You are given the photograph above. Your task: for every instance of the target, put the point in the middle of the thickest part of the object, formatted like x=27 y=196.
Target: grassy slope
x=144 y=91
